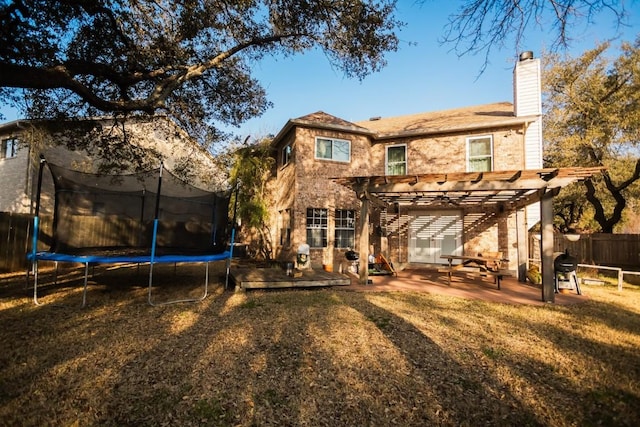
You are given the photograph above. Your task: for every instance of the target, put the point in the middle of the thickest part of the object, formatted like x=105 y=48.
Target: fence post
x=620 y=275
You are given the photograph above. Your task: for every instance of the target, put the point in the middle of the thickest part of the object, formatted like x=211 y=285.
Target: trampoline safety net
x=115 y=213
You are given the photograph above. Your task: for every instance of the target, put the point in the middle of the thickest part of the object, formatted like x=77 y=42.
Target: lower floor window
x=345 y=228
x=285 y=227
x=317 y=228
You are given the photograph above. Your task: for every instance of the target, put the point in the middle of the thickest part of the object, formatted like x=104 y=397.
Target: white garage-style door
x=434 y=233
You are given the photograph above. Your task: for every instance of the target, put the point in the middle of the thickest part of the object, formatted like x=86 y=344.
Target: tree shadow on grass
x=464 y=396
x=58 y=354
x=551 y=352
x=320 y=357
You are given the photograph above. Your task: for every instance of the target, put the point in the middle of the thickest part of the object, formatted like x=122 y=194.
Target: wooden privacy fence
x=90 y=231
x=15 y=239
x=616 y=250
x=15 y=230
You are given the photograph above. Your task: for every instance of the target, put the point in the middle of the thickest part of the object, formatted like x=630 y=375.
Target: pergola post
x=546 y=234
x=364 y=239
x=523 y=245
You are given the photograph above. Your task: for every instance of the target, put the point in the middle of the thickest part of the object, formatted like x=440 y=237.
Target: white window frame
x=286 y=152
x=345 y=223
x=386 y=158
x=318 y=221
x=470 y=139
x=9 y=148
x=333 y=141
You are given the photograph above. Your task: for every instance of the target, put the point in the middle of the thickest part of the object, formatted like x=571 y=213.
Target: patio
x=409 y=280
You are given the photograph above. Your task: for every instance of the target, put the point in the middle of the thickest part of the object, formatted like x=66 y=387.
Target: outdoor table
x=482 y=265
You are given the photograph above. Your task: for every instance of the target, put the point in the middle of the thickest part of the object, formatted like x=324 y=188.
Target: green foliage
x=189 y=59
x=592 y=118
x=250 y=172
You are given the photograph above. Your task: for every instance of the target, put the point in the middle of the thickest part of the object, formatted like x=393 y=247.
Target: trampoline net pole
x=36 y=231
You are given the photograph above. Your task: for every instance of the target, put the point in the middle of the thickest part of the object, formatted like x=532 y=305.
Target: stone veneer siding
x=308 y=179
x=304 y=184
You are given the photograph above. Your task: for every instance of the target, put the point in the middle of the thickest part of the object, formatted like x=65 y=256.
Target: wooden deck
x=267 y=278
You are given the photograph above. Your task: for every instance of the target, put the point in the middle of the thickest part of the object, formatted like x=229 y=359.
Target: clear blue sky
x=422 y=76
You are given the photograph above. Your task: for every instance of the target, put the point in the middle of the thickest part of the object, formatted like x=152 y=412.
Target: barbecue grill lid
x=352 y=255
x=565 y=263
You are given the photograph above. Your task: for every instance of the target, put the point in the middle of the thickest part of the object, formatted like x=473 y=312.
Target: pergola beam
x=462 y=186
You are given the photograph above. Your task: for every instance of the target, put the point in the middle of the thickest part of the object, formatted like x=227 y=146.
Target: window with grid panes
x=317 y=228
x=396 y=160
x=285 y=227
x=345 y=228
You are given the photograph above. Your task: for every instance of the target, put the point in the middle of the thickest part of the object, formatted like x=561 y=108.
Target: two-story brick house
x=310 y=207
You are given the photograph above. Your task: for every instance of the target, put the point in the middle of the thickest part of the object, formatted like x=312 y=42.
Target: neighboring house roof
x=478 y=117
x=13 y=125
x=500 y=114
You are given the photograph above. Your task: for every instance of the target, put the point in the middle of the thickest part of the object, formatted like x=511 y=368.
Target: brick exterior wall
x=304 y=183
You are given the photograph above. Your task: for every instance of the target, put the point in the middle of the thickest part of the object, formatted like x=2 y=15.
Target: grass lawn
x=321 y=357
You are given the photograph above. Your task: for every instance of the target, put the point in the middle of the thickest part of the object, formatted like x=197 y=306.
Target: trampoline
x=151 y=217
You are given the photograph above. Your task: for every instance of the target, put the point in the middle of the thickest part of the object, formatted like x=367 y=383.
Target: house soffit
x=499 y=191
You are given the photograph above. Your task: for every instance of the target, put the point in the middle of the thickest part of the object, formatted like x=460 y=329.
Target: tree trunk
x=607 y=224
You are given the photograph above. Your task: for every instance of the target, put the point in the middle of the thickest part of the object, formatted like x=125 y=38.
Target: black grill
x=565 y=263
x=352 y=255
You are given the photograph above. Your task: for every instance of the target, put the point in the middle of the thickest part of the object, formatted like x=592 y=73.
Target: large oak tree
x=592 y=118
x=193 y=59
x=190 y=59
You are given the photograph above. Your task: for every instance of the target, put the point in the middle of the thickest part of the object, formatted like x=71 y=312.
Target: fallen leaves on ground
x=320 y=357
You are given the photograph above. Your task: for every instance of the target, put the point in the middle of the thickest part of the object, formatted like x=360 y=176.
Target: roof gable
x=320 y=120
x=320 y=117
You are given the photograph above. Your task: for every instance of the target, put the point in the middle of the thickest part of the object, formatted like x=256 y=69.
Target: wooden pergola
x=500 y=192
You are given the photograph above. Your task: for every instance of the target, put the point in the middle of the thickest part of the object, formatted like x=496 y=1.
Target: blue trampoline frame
x=34 y=256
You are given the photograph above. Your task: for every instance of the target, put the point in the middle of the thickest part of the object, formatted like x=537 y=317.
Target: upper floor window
x=396 y=161
x=345 y=228
x=286 y=154
x=480 y=154
x=317 y=228
x=9 y=148
x=333 y=149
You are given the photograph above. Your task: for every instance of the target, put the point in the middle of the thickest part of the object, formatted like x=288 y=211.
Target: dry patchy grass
x=321 y=357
